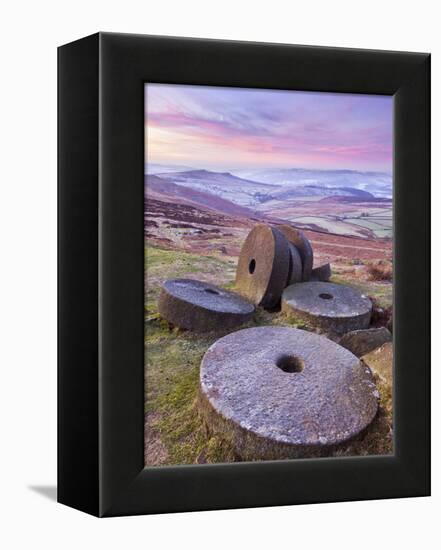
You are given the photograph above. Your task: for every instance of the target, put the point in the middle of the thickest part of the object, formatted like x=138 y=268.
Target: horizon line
x=224 y=171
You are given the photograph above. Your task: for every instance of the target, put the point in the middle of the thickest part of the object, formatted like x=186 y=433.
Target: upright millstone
x=295 y=273
x=331 y=307
x=280 y=392
x=199 y=306
x=300 y=241
x=263 y=266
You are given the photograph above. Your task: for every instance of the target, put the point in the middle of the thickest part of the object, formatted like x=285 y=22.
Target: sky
x=221 y=129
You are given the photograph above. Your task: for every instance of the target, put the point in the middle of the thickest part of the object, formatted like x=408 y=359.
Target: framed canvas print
x=244 y=271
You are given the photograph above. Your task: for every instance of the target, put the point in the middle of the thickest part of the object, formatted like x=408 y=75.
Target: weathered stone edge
x=193 y=317
x=336 y=324
x=250 y=446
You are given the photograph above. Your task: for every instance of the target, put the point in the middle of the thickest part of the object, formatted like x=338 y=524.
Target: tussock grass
x=380 y=271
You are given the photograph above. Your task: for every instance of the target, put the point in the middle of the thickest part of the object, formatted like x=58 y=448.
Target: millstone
x=202 y=307
x=380 y=361
x=281 y=392
x=295 y=265
x=263 y=266
x=361 y=342
x=300 y=241
x=321 y=273
x=338 y=308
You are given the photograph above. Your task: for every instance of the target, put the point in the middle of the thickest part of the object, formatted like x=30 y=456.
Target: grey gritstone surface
x=380 y=361
x=200 y=306
x=360 y=342
x=329 y=306
x=285 y=392
x=301 y=242
x=263 y=266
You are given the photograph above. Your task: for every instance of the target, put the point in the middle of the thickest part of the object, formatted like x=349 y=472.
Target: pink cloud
x=235 y=127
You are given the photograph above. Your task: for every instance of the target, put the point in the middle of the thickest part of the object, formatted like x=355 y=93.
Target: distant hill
x=163 y=189
x=223 y=184
x=335 y=199
x=289 y=192
x=250 y=194
x=377 y=183
x=330 y=208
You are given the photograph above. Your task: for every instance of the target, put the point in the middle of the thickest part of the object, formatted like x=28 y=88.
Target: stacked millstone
x=273 y=258
x=270 y=260
x=276 y=267
x=280 y=392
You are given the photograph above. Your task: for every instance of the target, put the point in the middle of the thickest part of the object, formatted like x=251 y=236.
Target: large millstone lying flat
x=301 y=242
x=329 y=306
x=263 y=267
x=202 y=307
x=280 y=392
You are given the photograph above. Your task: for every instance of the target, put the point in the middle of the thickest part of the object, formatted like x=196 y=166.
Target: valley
x=329 y=202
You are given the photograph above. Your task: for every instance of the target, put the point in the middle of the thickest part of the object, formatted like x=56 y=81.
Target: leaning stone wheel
x=338 y=308
x=202 y=307
x=295 y=273
x=300 y=241
x=263 y=266
x=280 y=392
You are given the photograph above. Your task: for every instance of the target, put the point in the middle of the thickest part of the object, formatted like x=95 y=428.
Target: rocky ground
x=186 y=239
x=175 y=431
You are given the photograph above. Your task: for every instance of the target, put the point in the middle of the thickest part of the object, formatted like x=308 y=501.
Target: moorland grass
x=173 y=356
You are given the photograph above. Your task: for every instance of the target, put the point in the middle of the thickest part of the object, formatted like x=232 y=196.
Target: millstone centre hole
x=211 y=291
x=326 y=296
x=290 y=363
x=252 y=266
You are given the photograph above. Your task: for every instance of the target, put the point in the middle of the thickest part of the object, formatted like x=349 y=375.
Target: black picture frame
x=101 y=274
